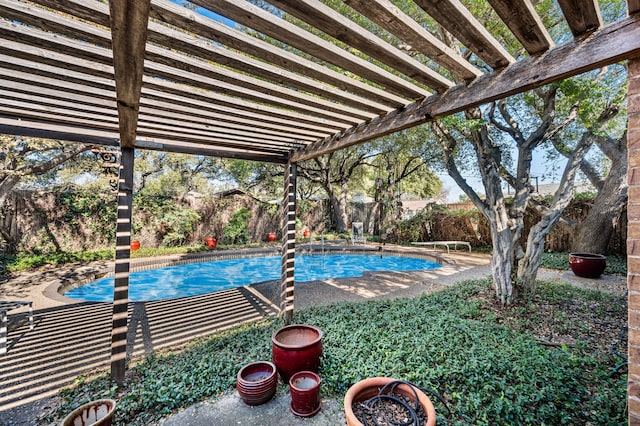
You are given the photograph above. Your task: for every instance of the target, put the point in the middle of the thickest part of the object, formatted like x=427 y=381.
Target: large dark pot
x=305 y=393
x=587 y=265
x=94 y=413
x=368 y=388
x=296 y=348
x=257 y=382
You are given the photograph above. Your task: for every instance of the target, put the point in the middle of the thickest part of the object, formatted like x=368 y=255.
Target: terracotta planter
x=587 y=265
x=296 y=348
x=365 y=389
x=271 y=237
x=256 y=382
x=94 y=413
x=211 y=242
x=305 y=393
x=135 y=245
x=307 y=233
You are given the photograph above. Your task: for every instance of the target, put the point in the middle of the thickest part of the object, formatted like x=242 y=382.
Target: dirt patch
x=596 y=325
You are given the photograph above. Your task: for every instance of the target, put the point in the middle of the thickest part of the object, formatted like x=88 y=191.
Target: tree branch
x=48 y=165
x=448 y=144
x=548 y=113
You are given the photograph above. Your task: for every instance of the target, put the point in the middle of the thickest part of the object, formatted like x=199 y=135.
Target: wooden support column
x=633 y=240
x=123 y=251
x=128 y=21
x=288 y=243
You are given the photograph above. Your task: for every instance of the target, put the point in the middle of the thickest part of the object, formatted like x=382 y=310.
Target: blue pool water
x=207 y=277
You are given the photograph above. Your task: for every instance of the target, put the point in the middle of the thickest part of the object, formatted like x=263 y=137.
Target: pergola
x=151 y=74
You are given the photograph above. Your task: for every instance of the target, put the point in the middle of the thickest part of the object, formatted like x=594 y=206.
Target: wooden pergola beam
x=525 y=23
x=129 y=22
x=583 y=16
x=457 y=19
x=254 y=17
x=604 y=47
x=418 y=39
x=38 y=129
x=182 y=17
x=341 y=28
x=167 y=64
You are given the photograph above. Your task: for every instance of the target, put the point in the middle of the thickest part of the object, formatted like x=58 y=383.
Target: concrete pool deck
x=72 y=338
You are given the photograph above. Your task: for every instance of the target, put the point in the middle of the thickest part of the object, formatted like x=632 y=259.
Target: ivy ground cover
x=556 y=358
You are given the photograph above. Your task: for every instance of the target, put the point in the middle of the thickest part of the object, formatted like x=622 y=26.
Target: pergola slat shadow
x=73 y=340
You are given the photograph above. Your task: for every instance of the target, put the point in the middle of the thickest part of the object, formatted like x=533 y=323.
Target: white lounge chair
x=446 y=244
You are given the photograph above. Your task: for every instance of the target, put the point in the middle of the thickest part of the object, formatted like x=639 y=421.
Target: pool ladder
x=311 y=242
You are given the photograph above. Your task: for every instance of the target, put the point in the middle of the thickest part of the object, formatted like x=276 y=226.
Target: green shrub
x=98 y=209
x=178 y=225
x=236 y=231
x=26 y=261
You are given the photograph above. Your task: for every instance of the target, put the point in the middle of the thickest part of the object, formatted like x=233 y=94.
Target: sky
x=209 y=14
x=540 y=168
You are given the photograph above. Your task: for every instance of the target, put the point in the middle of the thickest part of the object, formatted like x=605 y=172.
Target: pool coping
x=84 y=275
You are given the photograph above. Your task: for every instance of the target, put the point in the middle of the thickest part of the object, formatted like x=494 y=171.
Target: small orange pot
x=271 y=237
x=307 y=234
x=135 y=245
x=211 y=241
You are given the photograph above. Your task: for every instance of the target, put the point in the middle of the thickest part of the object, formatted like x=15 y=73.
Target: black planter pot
x=587 y=265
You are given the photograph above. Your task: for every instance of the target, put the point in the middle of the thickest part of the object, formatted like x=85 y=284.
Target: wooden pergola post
x=128 y=21
x=633 y=240
x=288 y=243
x=123 y=251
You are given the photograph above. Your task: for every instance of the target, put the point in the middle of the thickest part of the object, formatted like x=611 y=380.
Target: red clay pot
x=306 y=233
x=135 y=245
x=305 y=393
x=94 y=413
x=211 y=242
x=587 y=265
x=368 y=388
x=257 y=382
x=296 y=348
x=271 y=237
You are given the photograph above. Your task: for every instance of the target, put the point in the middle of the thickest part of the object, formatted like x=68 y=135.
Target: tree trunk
x=528 y=268
x=337 y=216
x=343 y=217
x=594 y=232
x=373 y=224
x=502 y=258
x=9 y=230
x=529 y=264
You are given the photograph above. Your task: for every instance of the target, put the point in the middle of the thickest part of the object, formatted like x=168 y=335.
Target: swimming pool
x=207 y=277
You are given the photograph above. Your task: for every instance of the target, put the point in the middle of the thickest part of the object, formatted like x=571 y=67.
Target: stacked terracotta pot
x=257 y=382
